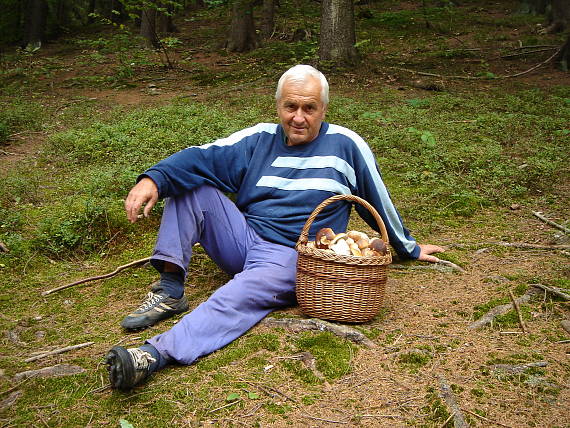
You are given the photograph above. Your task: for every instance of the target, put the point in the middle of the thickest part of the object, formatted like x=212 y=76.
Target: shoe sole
x=121 y=369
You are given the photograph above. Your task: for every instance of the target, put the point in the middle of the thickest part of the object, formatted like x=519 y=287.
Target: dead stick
x=447 y=394
x=555 y=291
x=324 y=420
x=451 y=265
x=447 y=420
x=550 y=222
x=486 y=419
x=94 y=278
x=518 y=311
x=58 y=351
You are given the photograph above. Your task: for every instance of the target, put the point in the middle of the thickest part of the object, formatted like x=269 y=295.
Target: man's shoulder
x=342 y=132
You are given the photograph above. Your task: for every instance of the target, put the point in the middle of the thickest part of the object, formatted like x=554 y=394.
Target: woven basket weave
x=336 y=287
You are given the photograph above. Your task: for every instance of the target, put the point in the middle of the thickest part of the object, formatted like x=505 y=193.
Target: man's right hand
x=144 y=192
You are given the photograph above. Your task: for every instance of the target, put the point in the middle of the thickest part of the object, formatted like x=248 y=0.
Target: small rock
x=515 y=207
x=566 y=325
x=68 y=302
x=40 y=334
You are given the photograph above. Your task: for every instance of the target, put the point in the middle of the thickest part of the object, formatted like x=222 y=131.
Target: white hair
x=299 y=73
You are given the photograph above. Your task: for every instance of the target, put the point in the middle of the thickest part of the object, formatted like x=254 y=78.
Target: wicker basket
x=336 y=287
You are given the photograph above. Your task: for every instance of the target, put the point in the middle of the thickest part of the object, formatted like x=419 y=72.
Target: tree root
x=304 y=324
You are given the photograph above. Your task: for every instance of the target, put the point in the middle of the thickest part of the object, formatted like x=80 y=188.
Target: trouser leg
x=207 y=216
x=266 y=283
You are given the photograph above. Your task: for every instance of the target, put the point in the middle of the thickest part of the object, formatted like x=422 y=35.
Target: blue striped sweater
x=278 y=186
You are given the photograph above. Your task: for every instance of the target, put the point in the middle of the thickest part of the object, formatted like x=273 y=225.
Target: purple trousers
x=263 y=281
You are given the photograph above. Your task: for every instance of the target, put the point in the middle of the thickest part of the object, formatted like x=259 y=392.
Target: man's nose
x=299 y=115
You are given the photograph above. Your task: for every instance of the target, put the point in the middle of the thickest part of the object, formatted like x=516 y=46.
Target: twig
x=526 y=53
x=233 y=403
x=324 y=420
x=553 y=290
x=508 y=76
x=58 y=351
x=486 y=419
x=93 y=278
x=447 y=420
x=521 y=245
x=550 y=222
x=447 y=394
x=451 y=265
x=518 y=311
x=4 y=248
x=432 y=266
x=497 y=310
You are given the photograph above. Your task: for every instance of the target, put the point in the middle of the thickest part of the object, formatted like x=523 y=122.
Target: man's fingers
x=149 y=206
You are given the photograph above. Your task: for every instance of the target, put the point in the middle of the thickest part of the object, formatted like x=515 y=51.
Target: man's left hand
x=426 y=250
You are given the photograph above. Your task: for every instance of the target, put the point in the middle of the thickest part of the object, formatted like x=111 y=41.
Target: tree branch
x=94 y=278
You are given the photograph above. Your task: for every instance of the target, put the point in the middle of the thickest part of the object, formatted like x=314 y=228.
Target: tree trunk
x=35 y=24
x=242 y=37
x=268 y=22
x=164 y=21
x=148 y=28
x=560 y=16
x=337 y=32
x=533 y=7
x=90 y=11
x=564 y=57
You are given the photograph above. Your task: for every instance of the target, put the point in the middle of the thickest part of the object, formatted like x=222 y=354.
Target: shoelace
x=151 y=300
x=142 y=359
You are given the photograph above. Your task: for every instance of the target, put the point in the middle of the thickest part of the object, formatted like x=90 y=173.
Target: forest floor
x=498 y=375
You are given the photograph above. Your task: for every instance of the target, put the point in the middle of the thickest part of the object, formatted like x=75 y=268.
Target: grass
x=452 y=158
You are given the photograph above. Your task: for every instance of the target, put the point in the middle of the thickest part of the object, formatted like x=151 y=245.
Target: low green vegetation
x=454 y=156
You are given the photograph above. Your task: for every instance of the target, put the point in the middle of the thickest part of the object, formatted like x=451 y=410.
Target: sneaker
x=157 y=306
x=128 y=367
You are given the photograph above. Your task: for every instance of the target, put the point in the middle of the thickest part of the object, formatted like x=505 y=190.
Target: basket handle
x=303 y=238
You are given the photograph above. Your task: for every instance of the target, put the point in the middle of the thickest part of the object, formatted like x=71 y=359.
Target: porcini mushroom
x=324 y=238
x=377 y=245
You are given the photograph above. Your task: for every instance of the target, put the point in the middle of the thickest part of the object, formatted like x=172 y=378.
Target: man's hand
x=144 y=192
x=426 y=250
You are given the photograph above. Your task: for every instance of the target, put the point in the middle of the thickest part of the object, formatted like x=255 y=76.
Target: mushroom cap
x=378 y=245
x=341 y=247
x=324 y=237
x=338 y=237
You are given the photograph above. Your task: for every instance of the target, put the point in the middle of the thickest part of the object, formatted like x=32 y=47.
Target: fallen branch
x=58 y=351
x=515 y=245
x=550 y=222
x=94 y=278
x=451 y=265
x=432 y=266
x=496 y=311
x=507 y=76
x=519 y=368
x=53 y=371
x=303 y=324
x=447 y=395
x=553 y=290
x=518 y=311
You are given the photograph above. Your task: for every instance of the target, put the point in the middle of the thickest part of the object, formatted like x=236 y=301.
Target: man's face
x=301 y=110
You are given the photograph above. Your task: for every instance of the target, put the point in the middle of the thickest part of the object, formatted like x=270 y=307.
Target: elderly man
x=279 y=173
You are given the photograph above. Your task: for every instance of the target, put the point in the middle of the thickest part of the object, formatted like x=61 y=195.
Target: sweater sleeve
x=221 y=164
x=371 y=187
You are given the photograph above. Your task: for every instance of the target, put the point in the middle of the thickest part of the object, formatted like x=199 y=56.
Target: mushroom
x=340 y=247
x=357 y=236
x=377 y=245
x=324 y=237
x=355 y=250
x=362 y=243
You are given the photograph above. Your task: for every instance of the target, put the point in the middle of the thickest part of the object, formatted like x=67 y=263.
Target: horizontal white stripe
x=317 y=162
x=325 y=184
x=270 y=128
x=387 y=204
